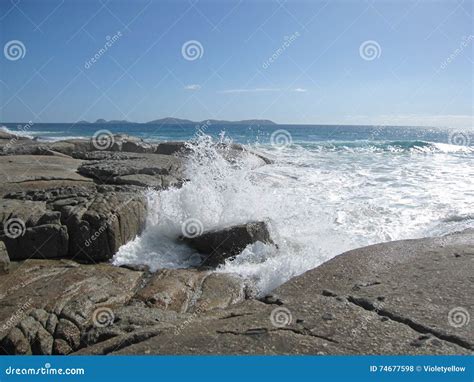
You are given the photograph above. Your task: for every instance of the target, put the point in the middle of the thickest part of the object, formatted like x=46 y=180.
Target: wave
x=365 y=146
x=318 y=205
x=18 y=133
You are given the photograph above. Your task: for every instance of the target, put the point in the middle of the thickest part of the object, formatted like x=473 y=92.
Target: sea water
x=328 y=190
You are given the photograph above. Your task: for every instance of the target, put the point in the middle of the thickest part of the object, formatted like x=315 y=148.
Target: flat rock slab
x=35 y=172
x=391 y=298
x=227 y=243
x=142 y=170
x=21 y=168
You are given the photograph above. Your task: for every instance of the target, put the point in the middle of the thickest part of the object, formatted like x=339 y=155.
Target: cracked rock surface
x=391 y=298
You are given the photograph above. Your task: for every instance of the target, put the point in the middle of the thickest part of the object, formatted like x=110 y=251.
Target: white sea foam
x=18 y=133
x=318 y=202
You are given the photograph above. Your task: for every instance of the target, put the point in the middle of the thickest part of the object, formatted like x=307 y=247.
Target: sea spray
x=319 y=203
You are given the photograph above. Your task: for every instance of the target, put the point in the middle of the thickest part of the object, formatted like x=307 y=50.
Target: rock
x=111 y=220
x=29 y=230
x=219 y=291
x=154 y=170
x=172 y=289
x=319 y=312
x=190 y=290
x=38 y=172
x=48 y=306
x=171 y=148
x=5 y=135
x=227 y=243
x=4 y=259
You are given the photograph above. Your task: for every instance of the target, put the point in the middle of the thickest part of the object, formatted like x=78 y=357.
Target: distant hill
x=171 y=121
x=100 y=120
x=179 y=121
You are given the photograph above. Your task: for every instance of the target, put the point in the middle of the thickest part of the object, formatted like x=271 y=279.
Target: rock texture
x=4 y=259
x=391 y=298
x=80 y=198
x=229 y=242
x=66 y=207
x=57 y=307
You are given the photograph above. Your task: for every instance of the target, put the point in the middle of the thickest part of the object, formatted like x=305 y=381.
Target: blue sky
x=288 y=61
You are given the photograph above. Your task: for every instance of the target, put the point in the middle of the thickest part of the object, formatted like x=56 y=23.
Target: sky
x=303 y=62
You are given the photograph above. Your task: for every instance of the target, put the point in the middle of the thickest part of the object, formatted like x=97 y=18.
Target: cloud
x=192 y=87
x=254 y=90
x=300 y=90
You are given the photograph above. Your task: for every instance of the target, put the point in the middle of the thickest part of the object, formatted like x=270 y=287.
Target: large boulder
x=100 y=225
x=222 y=244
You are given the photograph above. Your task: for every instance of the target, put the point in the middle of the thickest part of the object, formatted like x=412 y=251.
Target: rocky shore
x=66 y=207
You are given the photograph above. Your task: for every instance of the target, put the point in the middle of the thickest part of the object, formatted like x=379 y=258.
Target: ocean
x=330 y=189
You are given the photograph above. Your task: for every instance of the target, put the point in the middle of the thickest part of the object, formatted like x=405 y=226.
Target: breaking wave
x=319 y=200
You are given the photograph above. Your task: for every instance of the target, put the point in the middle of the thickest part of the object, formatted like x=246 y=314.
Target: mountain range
x=179 y=121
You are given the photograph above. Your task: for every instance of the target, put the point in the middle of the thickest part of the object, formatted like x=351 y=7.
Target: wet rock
x=227 y=243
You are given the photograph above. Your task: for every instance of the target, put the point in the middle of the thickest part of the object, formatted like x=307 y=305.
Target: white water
x=318 y=202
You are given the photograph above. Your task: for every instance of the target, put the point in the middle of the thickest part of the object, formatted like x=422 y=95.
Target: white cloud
x=192 y=87
x=254 y=90
x=300 y=90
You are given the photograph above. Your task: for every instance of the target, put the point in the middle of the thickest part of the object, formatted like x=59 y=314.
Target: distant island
x=179 y=121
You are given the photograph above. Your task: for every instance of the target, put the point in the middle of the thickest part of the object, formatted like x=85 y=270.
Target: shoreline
x=71 y=204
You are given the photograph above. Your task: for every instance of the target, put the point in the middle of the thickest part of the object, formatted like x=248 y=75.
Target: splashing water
x=319 y=202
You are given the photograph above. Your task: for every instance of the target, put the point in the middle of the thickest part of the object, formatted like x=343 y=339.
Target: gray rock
x=190 y=290
x=118 y=171
x=4 y=259
x=47 y=306
x=227 y=243
x=391 y=298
